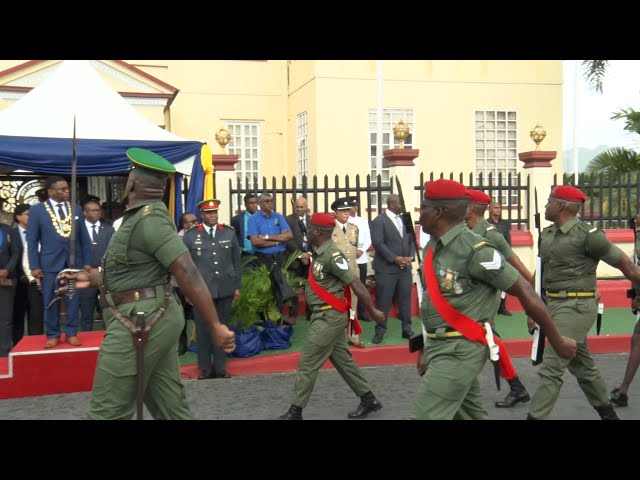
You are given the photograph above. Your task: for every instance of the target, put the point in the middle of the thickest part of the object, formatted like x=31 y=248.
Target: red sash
x=339 y=304
x=468 y=327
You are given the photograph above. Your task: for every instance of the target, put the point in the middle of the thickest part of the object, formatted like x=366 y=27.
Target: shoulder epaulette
x=146 y=210
x=228 y=226
x=479 y=245
x=491 y=228
x=335 y=253
x=594 y=229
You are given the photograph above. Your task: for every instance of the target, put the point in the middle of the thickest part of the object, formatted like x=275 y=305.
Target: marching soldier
x=477 y=223
x=135 y=285
x=345 y=236
x=570 y=251
x=327 y=295
x=216 y=253
x=463 y=274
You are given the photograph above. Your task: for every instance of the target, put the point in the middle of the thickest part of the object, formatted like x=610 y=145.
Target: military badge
x=447 y=278
x=317 y=271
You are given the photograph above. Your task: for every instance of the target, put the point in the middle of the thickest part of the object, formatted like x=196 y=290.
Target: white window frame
x=302 y=142
x=496 y=150
x=241 y=144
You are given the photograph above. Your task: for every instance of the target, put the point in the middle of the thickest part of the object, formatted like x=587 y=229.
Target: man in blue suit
x=48 y=248
x=100 y=234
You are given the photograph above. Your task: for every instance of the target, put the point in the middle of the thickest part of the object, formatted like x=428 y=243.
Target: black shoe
x=377 y=338
x=618 y=398
x=204 y=375
x=607 y=412
x=516 y=395
x=224 y=375
x=294 y=413
x=365 y=408
x=407 y=334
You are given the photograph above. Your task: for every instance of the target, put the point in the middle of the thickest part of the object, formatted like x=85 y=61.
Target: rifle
x=537 y=348
x=416 y=342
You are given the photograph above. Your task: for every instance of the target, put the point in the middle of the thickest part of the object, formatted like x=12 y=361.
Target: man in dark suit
x=240 y=222
x=48 y=247
x=215 y=251
x=9 y=255
x=28 y=296
x=100 y=234
x=392 y=265
x=299 y=242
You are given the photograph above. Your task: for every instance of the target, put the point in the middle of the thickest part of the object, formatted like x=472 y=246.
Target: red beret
x=567 y=192
x=478 y=196
x=212 y=204
x=445 y=189
x=323 y=220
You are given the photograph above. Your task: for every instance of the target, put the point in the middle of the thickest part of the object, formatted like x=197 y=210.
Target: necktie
x=94 y=234
x=211 y=232
x=399 y=225
x=344 y=229
x=61 y=212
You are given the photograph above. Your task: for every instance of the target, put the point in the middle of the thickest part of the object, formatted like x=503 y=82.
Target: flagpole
x=576 y=78
x=380 y=78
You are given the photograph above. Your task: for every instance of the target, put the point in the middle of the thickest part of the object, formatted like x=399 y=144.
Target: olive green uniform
x=570 y=256
x=326 y=338
x=139 y=256
x=497 y=240
x=469 y=271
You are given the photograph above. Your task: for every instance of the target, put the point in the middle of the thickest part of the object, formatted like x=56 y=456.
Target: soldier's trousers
x=450 y=389
x=574 y=318
x=326 y=340
x=114 y=386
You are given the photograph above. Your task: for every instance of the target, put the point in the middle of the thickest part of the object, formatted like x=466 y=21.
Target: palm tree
x=594 y=71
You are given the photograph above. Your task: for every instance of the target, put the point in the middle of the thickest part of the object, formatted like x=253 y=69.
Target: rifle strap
x=472 y=330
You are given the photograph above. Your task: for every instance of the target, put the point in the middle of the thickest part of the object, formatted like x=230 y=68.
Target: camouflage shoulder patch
x=479 y=245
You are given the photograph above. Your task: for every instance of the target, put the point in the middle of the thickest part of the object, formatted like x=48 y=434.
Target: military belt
x=563 y=294
x=322 y=308
x=130 y=296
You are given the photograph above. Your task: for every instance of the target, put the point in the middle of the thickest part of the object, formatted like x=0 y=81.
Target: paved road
x=267 y=396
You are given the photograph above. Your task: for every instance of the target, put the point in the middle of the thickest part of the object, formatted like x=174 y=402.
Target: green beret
x=147 y=160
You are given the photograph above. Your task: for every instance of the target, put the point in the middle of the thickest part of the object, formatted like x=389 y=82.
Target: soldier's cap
x=342 y=203
x=443 y=189
x=478 y=196
x=323 y=220
x=209 y=205
x=567 y=192
x=353 y=201
x=148 y=160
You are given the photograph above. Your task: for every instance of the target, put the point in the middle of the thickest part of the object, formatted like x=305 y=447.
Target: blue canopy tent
x=36 y=132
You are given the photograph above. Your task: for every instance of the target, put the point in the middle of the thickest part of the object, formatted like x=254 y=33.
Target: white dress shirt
x=54 y=206
x=90 y=229
x=25 y=254
x=397 y=221
x=364 y=237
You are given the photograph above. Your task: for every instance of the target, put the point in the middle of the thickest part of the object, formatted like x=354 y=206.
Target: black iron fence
x=512 y=191
x=319 y=192
x=611 y=199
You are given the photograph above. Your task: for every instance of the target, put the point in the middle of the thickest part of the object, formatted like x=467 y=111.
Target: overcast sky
x=595 y=128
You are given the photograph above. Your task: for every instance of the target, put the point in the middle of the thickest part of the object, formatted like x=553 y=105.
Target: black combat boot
x=368 y=404
x=502 y=310
x=517 y=394
x=607 y=412
x=618 y=398
x=294 y=413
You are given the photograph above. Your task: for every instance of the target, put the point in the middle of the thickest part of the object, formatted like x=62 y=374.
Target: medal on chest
x=449 y=280
x=317 y=271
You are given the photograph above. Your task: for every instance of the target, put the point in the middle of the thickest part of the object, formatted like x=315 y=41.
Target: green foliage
x=632 y=118
x=615 y=161
x=594 y=71
x=256 y=301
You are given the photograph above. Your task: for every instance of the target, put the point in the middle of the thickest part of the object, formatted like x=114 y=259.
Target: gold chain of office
x=63 y=227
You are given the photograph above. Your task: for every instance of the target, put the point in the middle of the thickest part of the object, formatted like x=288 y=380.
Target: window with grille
x=390 y=117
x=303 y=154
x=245 y=142
x=497 y=154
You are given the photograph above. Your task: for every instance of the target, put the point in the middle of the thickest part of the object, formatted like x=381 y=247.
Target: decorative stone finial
x=223 y=137
x=401 y=132
x=537 y=135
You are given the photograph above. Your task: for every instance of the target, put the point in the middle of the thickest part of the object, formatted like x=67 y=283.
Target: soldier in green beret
x=142 y=256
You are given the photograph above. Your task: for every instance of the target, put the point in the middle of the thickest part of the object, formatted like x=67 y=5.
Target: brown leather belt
x=133 y=295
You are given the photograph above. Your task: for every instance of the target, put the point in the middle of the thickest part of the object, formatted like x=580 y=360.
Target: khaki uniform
x=469 y=271
x=139 y=256
x=326 y=338
x=493 y=235
x=347 y=243
x=570 y=256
